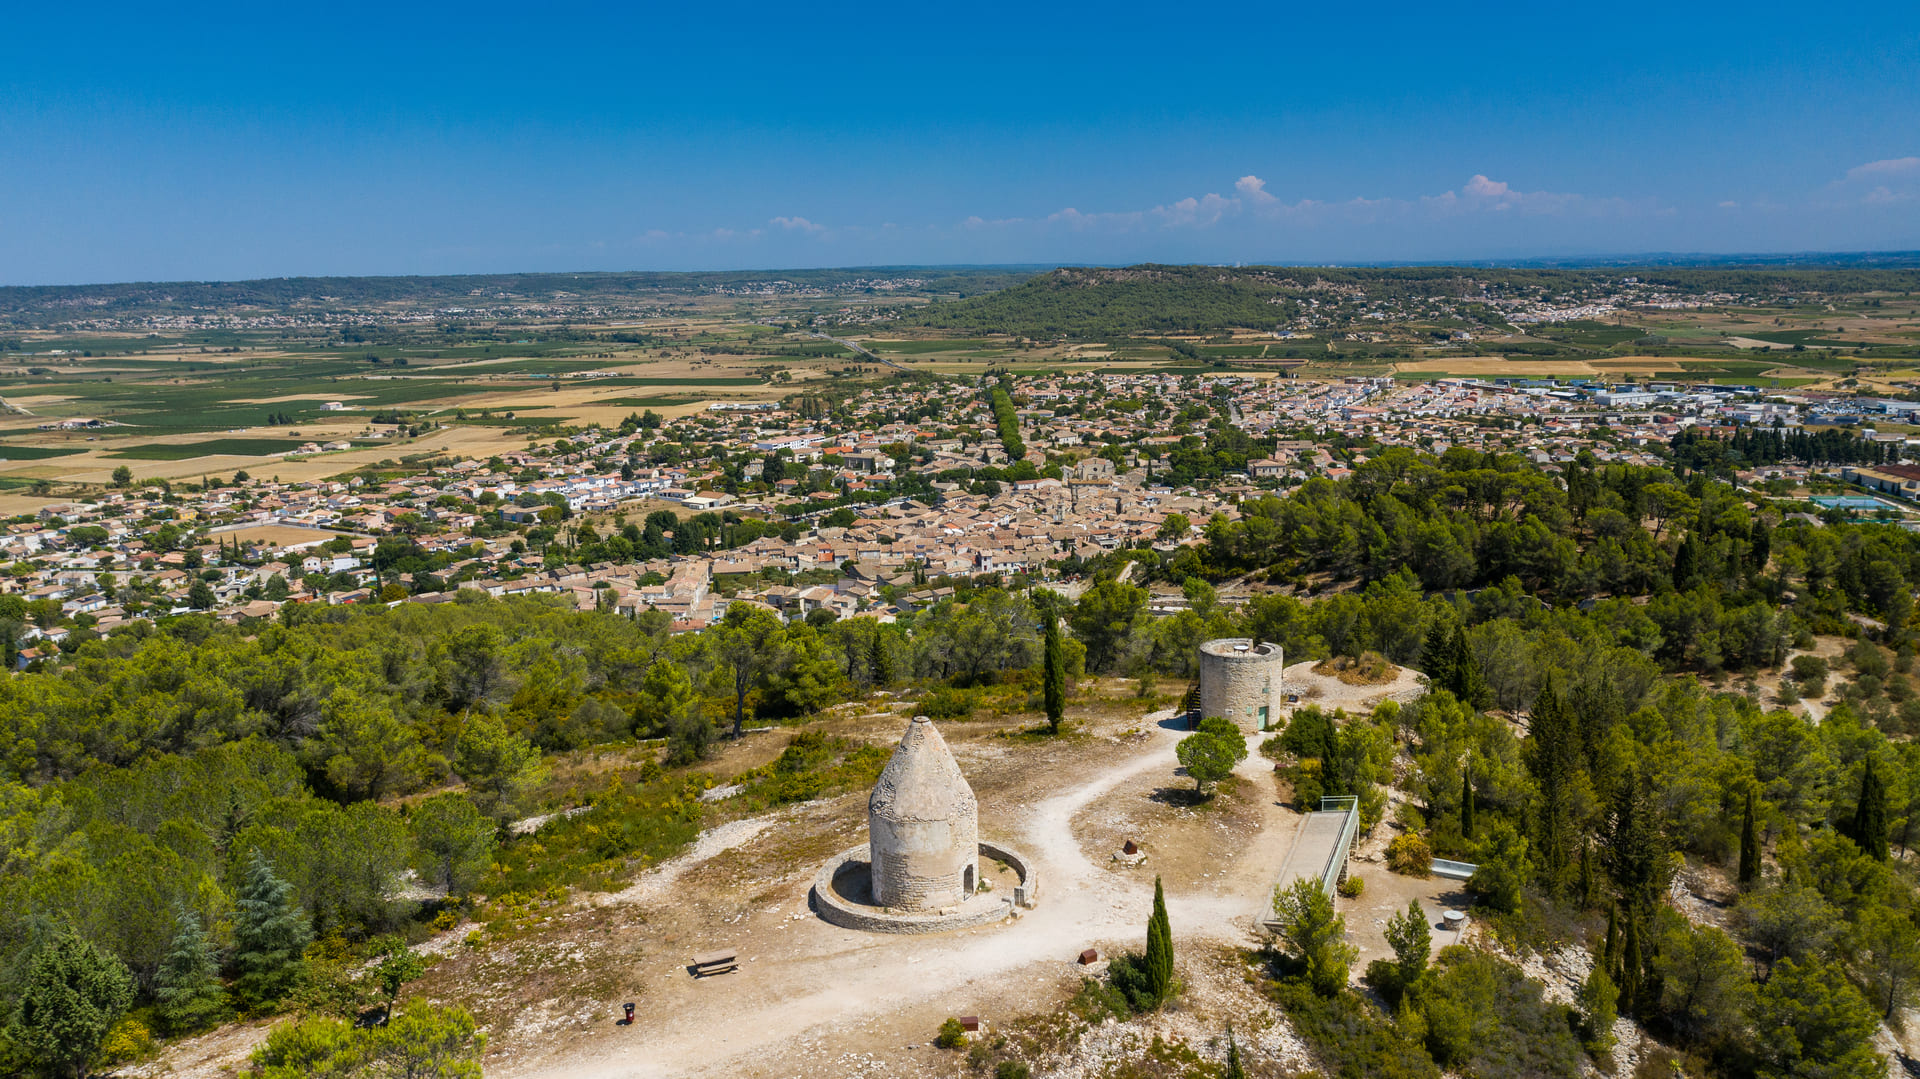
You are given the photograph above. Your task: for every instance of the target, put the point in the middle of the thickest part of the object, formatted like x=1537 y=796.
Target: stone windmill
x=923 y=825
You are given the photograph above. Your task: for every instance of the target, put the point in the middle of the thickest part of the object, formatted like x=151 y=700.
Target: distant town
x=868 y=508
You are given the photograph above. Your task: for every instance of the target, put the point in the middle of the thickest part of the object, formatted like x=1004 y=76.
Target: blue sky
x=202 y=141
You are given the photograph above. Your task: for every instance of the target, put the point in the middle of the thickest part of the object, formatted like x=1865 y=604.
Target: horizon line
x=1903 y=259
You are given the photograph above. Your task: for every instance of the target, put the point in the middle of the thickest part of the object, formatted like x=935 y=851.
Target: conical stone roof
x=922 y=782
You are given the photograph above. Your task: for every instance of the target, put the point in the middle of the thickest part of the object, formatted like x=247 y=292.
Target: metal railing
x=1337 y=860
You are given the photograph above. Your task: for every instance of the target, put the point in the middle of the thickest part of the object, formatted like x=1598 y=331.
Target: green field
x=920 y=348
x=225 y=405
x=36 y=453
x=237 y=447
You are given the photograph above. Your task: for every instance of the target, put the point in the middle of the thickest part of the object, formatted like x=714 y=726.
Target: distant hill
x=1096 y=303
x=351 y=293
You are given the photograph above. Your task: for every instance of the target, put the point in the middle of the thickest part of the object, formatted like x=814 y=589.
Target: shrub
x=1352 y=887
x=952 y=1035
x=1384 y=975
x=1811 y=673
x=1410 y=856
x=128 y=1041
x=1486 y=1018
x=946 y=702
x=1097 y=1000
x=1012 y=1069
x=1349 y=1037
x=1132 y=986
x=1274 y=747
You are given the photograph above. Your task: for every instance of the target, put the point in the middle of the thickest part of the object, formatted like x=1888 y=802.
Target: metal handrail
x=1338 y=857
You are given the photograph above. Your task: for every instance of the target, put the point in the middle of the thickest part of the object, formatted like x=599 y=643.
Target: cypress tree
x=879 y=660
x=1588 y=886
x=1636 y=851
x=1054 y=674
x=1555 y=764
x=1466 y=801
x=1749 y=846
x=1630 y=966
x=187 y=988
x=1759 y=546
x=1473 y=688
x=1436 y=656
x=1870 y=814
x=1234 y=1068
x=1610 y=954
x=1686 y=565
x=269 y=933
x=1159 y=947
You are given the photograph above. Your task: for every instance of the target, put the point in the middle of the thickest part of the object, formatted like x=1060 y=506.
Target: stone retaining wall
x=979 y=911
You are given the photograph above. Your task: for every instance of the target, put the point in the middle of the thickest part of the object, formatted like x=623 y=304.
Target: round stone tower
x=924 y=825
x=1240 y=681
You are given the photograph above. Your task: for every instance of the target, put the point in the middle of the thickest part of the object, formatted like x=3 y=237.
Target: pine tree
x=1411 y=940
x=187 y=989
x=1054 y=674
x=1749 y=846
x=1159 y=947
x=269 y=933
x=1869 y=828
x=1466 y=801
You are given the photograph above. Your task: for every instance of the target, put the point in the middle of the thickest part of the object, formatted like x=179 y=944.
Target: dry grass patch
x=1370 y=669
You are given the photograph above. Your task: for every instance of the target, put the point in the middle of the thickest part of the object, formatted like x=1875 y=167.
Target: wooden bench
x=715 y=963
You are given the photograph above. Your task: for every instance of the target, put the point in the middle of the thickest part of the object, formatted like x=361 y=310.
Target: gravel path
x=847 y=979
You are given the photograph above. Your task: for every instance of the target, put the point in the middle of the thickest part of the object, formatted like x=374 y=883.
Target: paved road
x=860 y=348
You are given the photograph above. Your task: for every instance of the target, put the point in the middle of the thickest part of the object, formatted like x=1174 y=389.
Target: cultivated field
x=178 y=415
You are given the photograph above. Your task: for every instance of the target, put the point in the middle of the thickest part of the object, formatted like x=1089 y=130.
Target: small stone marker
x=970 y=1023
x=1130 y=848
x=1089 y=956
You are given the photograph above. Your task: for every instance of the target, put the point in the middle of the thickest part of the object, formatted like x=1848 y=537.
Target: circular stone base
x=843 y=895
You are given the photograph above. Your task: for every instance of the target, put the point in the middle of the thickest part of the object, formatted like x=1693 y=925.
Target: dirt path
x=831 y=981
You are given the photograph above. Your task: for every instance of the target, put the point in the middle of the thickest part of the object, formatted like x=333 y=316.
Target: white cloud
x=1481 y=187
x=1253 y=189
x=1892 y=166
x=797 y=224
x=1251 y=199
x=1888 y=182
